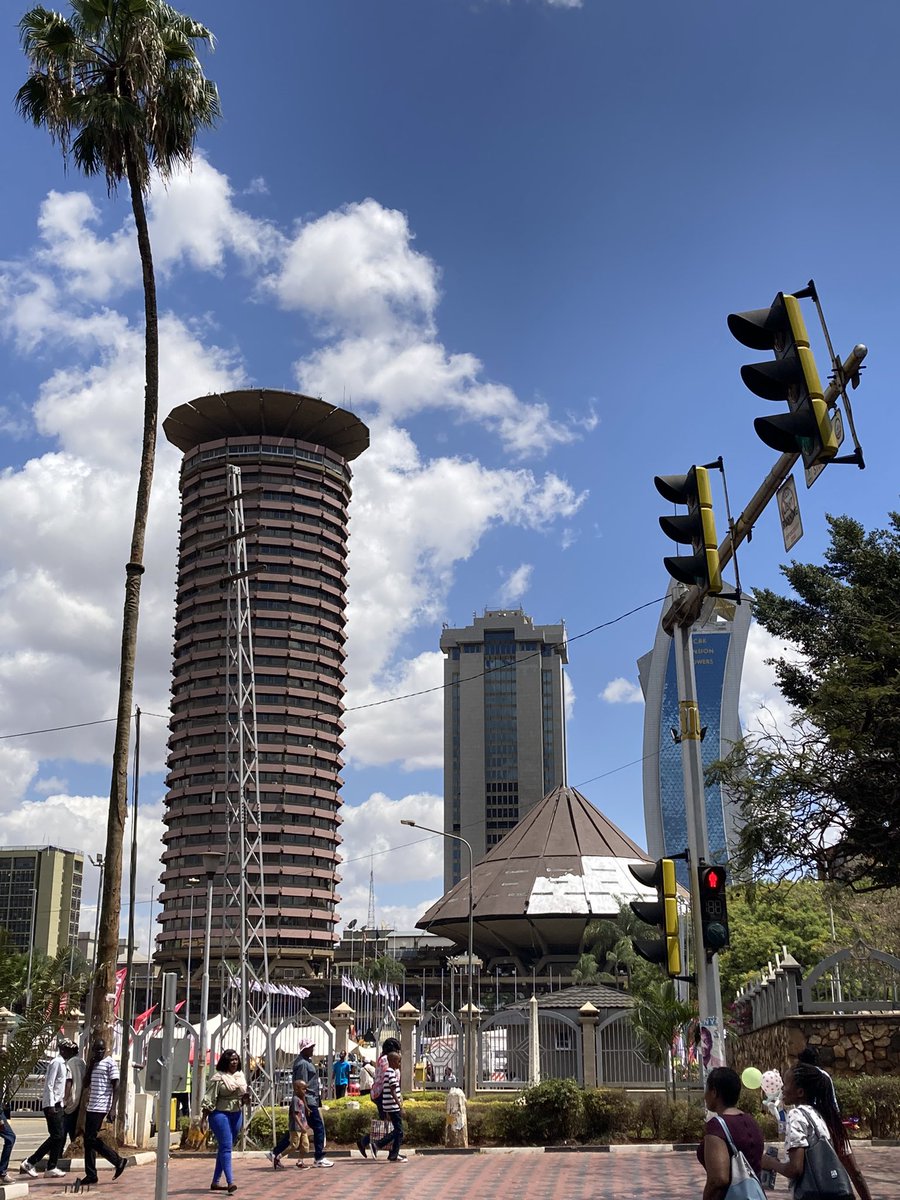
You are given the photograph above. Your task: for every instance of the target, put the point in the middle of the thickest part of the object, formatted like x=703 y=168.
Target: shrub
x=683 y=1122
x=651 y=1115
x=608 y=1114
x=260 y=1129
x=424 y=1124
x=502 y=1122
x=879 y=1104
x=554 y=1111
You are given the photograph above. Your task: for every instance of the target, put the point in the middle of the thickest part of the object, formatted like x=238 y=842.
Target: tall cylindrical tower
x=293 y=453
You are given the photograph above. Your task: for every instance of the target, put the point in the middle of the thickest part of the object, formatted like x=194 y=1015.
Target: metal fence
x=440 y=1042
x=620 y=1060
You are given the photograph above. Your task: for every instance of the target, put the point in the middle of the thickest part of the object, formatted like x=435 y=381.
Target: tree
x=119 y=87
x=822 y=798
x=656 y=1018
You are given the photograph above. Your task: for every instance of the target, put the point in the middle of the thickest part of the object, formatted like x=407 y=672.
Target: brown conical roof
x=561 y=866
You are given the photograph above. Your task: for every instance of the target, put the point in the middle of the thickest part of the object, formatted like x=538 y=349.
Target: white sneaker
x=56 y=1173
x=27 y=1169
x=323 y=1162
x=270 y=1155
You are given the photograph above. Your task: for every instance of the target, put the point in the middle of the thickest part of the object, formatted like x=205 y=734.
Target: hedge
x=558 y=1111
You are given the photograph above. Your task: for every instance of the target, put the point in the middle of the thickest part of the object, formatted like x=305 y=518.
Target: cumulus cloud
x=762 y=706
x=515 y=584
x=622 y=691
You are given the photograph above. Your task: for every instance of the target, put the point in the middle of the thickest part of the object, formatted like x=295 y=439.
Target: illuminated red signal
x=713 y=909
x=712 y=879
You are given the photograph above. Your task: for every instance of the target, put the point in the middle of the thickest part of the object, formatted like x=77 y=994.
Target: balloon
x=751 y=1077
x=772 y=1083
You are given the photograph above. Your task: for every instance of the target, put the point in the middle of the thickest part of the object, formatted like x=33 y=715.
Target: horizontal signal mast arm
x=686 y=609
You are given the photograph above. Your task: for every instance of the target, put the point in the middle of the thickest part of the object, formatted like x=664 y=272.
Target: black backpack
x=824 y=1176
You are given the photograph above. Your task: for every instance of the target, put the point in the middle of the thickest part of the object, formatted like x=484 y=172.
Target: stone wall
x=851 y=1044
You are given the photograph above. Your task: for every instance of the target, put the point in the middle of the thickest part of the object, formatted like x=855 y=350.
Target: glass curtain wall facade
x=719 y=643
x=504 y=727
x=293 y=453
x=40 y=896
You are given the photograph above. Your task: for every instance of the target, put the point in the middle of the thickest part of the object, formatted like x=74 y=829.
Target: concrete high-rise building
x=719 y=643
x=504 y=728
x=293 y=452
x=40 y=896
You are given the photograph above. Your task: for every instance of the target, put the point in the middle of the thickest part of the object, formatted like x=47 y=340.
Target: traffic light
x=713 y=908
x=697 y=529
x=662 y=912
x=792 y=376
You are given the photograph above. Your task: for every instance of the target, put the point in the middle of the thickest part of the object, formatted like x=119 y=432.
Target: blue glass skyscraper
x=719 y=642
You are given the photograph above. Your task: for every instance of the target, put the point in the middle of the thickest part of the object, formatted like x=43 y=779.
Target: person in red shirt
x=723 y=1088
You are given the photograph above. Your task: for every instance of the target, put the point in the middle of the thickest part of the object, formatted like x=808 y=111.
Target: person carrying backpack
x=820 y=1163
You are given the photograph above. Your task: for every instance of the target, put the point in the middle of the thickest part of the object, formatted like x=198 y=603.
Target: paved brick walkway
x=516 y=1174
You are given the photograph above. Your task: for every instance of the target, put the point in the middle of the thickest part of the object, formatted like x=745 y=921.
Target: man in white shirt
x=52 y=1102
x=102 y=1081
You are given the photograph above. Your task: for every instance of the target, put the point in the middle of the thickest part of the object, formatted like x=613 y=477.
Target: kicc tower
x=293 y=453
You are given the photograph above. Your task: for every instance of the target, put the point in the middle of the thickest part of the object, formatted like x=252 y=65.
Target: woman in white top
x=814 y=1111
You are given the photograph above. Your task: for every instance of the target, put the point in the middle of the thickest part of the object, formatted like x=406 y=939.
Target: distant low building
x=40 y=896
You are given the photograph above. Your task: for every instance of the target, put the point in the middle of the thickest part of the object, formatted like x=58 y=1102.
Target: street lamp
x=99 y=862
x=193 y=880
x=470 y=1056
x=211 y=863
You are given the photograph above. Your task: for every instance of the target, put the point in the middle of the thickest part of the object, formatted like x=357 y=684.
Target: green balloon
x=751 y=1077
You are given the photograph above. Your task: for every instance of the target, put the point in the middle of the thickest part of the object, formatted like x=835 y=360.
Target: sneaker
x=277 y=1163
x=270 y=1155
x=120 y=1167
x=399 y=1158
x=362 y=1147
x=323 y=1162
x=27 y=1169
x=56 y=1173
x=5 y=1177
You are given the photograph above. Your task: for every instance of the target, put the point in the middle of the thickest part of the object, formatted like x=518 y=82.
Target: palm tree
x=119 y=87
x=656 y=1018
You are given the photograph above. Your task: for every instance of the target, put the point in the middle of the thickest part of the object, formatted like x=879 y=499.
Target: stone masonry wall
x=851 y=1044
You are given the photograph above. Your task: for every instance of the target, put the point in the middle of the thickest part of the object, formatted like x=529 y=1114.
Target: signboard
x=812 y=473
x=181 y=1051
x=789 y=512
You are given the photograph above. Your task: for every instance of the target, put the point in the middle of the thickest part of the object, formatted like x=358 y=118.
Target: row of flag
x=273 y=989
x=387 y=990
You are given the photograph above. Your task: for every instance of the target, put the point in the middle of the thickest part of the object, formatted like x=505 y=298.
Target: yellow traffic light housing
x=697 y=529
x=793 y=377
x=665 y=949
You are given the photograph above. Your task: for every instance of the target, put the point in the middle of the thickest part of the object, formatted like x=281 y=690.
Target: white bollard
x=456 y=1132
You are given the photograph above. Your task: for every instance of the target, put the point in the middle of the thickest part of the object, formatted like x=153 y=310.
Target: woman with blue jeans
x=226 y=1096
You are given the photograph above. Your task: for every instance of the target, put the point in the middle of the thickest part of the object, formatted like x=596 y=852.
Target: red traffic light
x=714 y=879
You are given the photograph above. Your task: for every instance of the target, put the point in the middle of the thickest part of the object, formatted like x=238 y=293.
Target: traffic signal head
x=697 y=529
x=792 y=377
x=713 y=908
x=665 y=949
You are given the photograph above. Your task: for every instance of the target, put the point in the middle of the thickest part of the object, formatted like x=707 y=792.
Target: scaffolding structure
x=246 y=995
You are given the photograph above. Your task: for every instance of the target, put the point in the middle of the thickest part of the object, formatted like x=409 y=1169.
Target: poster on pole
x=789 y=512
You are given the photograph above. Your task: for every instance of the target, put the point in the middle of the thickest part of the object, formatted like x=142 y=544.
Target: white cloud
x=622 y=691
x=374 y=839
x=569 y=695
x=408 y=732
x=515 y=584
x=762 y=706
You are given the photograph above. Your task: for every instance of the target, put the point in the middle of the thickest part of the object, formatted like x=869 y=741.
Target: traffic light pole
x=707 y=973
x=686 y=609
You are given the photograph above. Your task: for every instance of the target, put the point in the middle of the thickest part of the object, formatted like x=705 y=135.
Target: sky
x=507 y=234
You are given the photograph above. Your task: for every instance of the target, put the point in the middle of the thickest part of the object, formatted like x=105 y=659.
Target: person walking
x=392 y=1106
x=74 y=1088
x=101 y=1082
x=389 y=1046
x=340 y=1071
x=814 y=1115
x=366 y=1078
x=723 y=1088
x=52 y=1103
x=305 y=1069
x=8 y=1137
x=226 y=1097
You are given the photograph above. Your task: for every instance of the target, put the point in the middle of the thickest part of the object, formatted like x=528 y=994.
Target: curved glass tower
x=293 y=452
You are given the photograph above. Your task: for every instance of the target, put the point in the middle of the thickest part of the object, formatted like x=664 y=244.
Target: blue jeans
x=225 y=1127
x=9 y=1140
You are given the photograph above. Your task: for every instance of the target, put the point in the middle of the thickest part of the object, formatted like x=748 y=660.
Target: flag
x=179 y=1005
x=347 y=983
x=141 y=1020
x=120 y=983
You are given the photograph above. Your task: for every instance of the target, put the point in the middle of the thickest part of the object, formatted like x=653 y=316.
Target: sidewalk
x=627 y=1173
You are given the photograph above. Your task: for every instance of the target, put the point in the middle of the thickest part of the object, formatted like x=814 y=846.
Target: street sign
x=812 y=473
x=789 y=511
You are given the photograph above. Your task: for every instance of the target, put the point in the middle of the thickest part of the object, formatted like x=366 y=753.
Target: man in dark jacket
x=304 y=1068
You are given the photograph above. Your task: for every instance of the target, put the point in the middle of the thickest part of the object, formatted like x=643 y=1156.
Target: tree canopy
x=821 y=798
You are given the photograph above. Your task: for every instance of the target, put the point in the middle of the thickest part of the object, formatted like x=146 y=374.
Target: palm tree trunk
x=110 y=903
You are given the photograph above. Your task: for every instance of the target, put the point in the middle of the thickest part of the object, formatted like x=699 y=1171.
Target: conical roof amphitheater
x=563 y=865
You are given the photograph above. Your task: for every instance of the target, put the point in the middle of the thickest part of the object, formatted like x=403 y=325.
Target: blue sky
x=507 y=233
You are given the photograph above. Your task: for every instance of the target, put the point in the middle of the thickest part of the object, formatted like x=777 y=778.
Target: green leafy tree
x=55 y=984
x=119 y=87
x=656 y=1018
x=13 y=971
x=822 y=799
x=384 y=969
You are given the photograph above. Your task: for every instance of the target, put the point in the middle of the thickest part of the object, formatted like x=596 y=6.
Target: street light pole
x=470 y=1010
x=99 y=862
x=211 y=864
x=193 y=881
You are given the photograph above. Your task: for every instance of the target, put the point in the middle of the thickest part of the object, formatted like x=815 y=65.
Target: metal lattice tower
x=246 y=995
x=371 y=917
